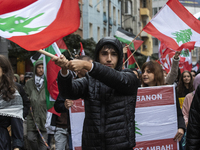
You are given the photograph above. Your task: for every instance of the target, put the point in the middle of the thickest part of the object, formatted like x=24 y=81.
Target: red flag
x=137 y=43
x=131 y=61
x=82 y=52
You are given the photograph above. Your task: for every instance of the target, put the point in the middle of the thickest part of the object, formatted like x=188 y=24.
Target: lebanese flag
x=175 y=26
x=82 y=52
x=196 y=67
x=50 y=75
x=166 y=56
x=131 y=61
x=36 y=24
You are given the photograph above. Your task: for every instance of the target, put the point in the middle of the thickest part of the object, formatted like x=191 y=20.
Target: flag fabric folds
x=131 y=61
x=37 y=24
x=166 y=55
x=82 y=52
x=127 y=37
x=175 y=26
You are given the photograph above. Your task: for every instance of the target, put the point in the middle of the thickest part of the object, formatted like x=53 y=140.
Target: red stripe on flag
x=149 y=28
x=59 y=28
x=51 y=78
x=13 y=5
x=61 y=44
x=184 y=14
x=137 y=43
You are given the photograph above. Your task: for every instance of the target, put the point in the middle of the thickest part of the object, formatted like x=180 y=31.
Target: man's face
x=21 y=77
x=108 y=57
x=39 y=70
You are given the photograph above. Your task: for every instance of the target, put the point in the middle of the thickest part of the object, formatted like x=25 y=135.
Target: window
x=144 y=3
x=104 y=32
x=91 y=30
x=114 y=15
x=98 y=33
x=128 y=7
x=154 y=11
x=155 y=41
x=90 y=2
x=119 y=17
x=104 y=5
x=98 y=5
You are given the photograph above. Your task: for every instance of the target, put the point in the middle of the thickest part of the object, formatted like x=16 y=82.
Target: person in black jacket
x=109 y=95
x=193 y=128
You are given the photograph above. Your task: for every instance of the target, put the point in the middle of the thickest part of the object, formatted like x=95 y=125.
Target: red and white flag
x=175 y=26
x=82 y=52
x=36 y=24
x=166 y=55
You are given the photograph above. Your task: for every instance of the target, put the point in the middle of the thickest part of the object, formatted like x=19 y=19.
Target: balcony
x=144 y=11
x=143 y=34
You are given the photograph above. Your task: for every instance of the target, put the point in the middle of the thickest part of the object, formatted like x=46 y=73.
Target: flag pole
x=130 y=44
x=47 y=53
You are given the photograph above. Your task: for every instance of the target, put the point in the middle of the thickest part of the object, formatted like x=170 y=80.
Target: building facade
x=145 y=17
x=101 y=18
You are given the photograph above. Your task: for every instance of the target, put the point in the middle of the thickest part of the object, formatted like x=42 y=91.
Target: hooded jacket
x=109 y=98
x=38 y=103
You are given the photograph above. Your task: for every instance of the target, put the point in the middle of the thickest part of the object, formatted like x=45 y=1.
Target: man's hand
x=176 y=56
x=179 y=135
x=62 y=62
x=77 y=65
x=68 y=103
x=125 y=49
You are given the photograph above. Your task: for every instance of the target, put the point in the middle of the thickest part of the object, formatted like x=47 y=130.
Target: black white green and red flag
x=50 y=77
x=175 y=26
x=82 y=52
x=36 y=24
x=131 y=61
x=196 y=67
x=127 y=37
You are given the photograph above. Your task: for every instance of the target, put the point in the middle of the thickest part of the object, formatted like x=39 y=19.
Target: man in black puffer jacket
x=109 y=95
x=193 y=128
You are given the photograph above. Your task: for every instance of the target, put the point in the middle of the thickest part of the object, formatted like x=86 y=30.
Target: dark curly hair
x=156 y=69
x=7 y=86
x=181 y=86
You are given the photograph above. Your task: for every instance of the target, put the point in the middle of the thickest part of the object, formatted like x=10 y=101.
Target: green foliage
x=73 y=42
x=19 y=52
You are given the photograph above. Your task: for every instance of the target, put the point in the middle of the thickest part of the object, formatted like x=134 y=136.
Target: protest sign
x=155 y=116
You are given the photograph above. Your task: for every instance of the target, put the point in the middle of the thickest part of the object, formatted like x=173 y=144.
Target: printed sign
x=155 y=117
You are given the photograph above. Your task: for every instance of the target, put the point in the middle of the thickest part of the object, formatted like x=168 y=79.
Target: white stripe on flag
x=122 y=35
x=166 y=20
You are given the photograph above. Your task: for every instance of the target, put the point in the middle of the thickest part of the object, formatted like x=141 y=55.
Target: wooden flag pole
x=134 y=51
x=47 y=53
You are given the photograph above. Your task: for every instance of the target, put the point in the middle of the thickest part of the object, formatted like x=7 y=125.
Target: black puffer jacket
x=110 y=99
x=193 y=128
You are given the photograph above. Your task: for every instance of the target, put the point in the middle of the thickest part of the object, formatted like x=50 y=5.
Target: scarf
x=39 y=81
x=12 y=108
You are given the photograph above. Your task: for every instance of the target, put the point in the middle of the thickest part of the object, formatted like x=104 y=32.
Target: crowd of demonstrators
x=105 y=89
x=11 y=108
x=35 y=90
x=188 y=99
x=109 y=92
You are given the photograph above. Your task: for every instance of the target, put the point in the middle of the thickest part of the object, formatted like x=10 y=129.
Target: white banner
x=155 y=116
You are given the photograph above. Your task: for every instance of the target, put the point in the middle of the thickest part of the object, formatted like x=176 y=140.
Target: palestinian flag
x=196 y=67
x=131 y=61
x=175 y=26
x=38 y=56
x=82 y=52
x=36 y=24
x=50 y=75
x=127 y=37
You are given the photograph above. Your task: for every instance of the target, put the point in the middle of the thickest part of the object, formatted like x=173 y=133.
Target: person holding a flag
x=35 y=89
x=109 y=95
